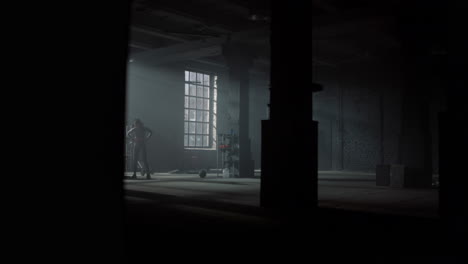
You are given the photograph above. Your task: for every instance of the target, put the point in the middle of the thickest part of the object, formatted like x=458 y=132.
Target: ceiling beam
x=157 y=33
x=317 y=62
x=140 y=46
x=357 y=26
x=325 y=6
x=180 y=52
x=189 y=50
x=174 y=14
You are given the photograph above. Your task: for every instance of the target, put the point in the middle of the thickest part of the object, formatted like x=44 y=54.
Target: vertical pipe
x=381 y=106
x=331 y=144
x=341 y=124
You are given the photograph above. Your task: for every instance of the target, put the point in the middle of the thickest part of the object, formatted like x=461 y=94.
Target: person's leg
x=136 y=153
x=145 y=161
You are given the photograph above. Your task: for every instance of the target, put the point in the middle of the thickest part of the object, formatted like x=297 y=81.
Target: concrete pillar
x=340 y=162
x=239 y=62
x=289 y=138
x=416 y=143
x=414 y=168
x=453 y=133
x=415 y=150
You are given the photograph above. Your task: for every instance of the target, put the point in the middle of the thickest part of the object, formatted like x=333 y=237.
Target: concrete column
x=289 y=138
x=415 y=143
x=341 y=124
x=416 y=30
x=453 y=133
x=239 y=62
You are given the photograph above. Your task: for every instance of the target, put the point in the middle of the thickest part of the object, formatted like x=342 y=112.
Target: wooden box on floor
x=382 y=176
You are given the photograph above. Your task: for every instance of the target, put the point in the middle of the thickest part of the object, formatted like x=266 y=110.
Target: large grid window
x=200 y=110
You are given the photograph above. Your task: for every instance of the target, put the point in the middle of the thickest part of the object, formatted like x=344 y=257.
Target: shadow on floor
x=165 y=222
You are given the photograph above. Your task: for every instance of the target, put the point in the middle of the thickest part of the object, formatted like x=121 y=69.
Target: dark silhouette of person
x=139 y=134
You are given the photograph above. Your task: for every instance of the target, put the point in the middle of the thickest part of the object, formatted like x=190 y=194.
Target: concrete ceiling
x=343 y=30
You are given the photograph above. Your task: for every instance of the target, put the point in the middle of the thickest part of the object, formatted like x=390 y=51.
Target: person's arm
x=150 y=133
x=129 y=132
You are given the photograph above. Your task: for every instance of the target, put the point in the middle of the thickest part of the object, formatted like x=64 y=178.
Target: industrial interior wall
x=156 y=95
x=360 y=112
x=228 y=110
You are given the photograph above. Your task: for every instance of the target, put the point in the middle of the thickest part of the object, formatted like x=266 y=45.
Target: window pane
x=193 y=77
x=206 y=116
x=206 y=130
x=186 y=101
x=192 y=128
x=200 y=91
x=193 y=102
x=191 y=140
x=215 y=108
x=199 y=115
x=206 y=92
x=186 y=89
x=186 y=75
x=185 y=140
x=199 y=78
x=207 y=104
x=215 y=81
x=206 y=79
x=193 y=90
x=186 y=127
x=205 y=141
x=199 y=141
x=214 y=120
x=215 y=94
x=186 y=114
x=199 y=128
x=192 y=116
x=200 y=103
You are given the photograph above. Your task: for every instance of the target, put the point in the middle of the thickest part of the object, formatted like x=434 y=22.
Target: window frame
x=199 y=110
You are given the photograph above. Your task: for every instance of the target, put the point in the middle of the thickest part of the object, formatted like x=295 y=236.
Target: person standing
x=139 y=134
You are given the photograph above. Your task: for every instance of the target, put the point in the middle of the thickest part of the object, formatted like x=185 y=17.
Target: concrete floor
x=171 y=214
x=342 y=190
